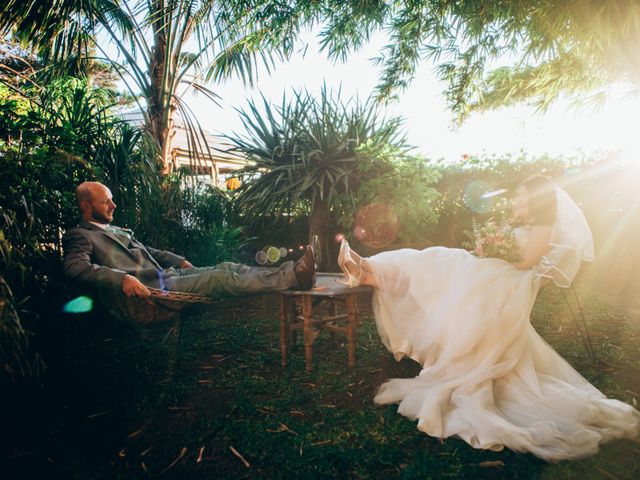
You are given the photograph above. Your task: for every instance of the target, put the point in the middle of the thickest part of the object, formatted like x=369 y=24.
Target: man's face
x=100 y=208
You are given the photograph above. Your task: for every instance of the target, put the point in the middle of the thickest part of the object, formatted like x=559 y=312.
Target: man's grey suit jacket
x=96 y=257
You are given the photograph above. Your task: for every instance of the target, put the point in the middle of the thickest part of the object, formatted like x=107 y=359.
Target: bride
x=487 y=376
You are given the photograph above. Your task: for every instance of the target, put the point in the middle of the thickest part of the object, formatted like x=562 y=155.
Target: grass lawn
x=118 y=403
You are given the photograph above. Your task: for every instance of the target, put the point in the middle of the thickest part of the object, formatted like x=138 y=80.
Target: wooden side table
x=296 y=312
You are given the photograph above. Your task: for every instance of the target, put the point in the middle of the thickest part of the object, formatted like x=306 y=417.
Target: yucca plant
x=305 y=155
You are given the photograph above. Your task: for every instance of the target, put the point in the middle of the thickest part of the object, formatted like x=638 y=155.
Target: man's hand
x=186 y=264
x=132 y=287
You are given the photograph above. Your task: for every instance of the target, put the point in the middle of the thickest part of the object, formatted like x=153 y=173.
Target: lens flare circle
x=273 y=254
x=376 y=225
x=81 y=304
x=261 y=257
x=476 y=196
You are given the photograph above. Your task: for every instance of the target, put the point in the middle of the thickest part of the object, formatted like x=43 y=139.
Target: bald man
x=101 y=255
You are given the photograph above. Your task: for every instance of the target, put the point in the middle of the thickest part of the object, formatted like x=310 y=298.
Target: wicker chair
x=160 y=306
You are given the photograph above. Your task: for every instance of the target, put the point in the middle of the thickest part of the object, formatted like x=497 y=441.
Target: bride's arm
x=536 y=247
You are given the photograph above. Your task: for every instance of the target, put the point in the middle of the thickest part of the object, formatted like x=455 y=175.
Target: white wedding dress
x=487 y=376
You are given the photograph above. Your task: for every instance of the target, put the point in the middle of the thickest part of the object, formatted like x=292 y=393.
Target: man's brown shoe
x=305 y=270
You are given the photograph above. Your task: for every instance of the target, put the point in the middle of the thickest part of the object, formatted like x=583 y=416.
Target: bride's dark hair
x=543 y=203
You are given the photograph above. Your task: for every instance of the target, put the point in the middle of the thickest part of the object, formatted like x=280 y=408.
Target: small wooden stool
x=326 y=290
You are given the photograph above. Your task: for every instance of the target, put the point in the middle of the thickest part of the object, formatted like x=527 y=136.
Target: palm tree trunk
x=320 y=225
x=161 y=122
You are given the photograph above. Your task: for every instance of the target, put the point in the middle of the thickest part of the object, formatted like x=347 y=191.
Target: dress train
x=487 y=376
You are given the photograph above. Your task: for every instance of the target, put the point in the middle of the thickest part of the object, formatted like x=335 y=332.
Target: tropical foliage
x=47 y=135
x=197 y=220
x=51 y=139
x=307 y=154
x=160 y=46
x=398 y=189
x=56 y=137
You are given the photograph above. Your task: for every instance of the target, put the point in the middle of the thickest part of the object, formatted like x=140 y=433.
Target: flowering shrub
x=463 y=185
x=494 y=240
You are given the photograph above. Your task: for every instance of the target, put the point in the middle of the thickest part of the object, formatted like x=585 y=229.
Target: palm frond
x=305 y=150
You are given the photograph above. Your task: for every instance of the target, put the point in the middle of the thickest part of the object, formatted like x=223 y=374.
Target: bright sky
x=561 y=130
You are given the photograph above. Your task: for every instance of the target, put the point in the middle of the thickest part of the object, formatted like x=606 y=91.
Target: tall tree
x=548 y=47
x=160 y=45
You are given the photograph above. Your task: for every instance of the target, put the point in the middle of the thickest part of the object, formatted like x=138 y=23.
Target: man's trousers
x=227 y=279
